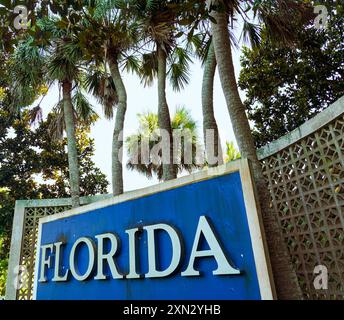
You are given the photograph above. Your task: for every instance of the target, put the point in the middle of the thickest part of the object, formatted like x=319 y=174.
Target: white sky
x=142 y=99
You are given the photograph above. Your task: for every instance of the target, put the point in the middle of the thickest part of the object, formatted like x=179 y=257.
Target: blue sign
x=192 y=238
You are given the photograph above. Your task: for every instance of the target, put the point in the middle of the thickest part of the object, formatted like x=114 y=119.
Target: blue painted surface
x=220 y=199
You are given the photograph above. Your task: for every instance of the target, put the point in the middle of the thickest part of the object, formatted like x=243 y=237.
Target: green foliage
x=83 y=108
x=3 y=269
x=65 y=61
x=162 y=24
x=35 y=166
x=148 y=68
x=28 y=63
x=287 y=86
x=101 y=85
x=54 y=161
x=231 y=152
x=179 y=68
x=149 y=132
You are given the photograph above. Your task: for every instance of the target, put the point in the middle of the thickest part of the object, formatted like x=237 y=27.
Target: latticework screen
x=306 y=184
x=28 y=248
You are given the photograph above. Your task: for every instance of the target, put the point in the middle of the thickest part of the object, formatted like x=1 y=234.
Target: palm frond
x=27 y=73
x=57 y=124
x=138 y=6
x=101 y=85
x=64 y=62
x=282 y=17
x=132 y=64
x=148 y=123
x=201 y=43
x=149 y=68
x=148 y=134
x=179 y=72
x=49 y=26
x=60 y=68
x=182 y=119
x=36 y=115
x=251 y=34
x=84 y=109
x=152 y=5
x=231 y=152
x=28 y=63
x=71 y=50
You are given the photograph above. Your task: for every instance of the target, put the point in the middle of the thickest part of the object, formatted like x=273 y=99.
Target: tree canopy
x=35 y=166
x=286 y=86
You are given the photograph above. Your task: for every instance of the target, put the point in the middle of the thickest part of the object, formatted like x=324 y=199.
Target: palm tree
x=148 y=163
x=60 y=60
x=204 y=49
x=111 y=28
x=158 y=20
x=209 y=121
x=277 y=17
x=64 y=66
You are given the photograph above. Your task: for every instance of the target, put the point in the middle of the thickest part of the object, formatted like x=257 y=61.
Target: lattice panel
x=306 y=184
x=28 y=249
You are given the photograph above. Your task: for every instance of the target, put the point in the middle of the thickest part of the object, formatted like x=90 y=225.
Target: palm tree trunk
x=117 y=143
x=209 y=121
x=286 y=282
x=74 y=174
x=164 y=119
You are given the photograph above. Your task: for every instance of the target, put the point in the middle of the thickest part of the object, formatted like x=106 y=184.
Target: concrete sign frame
x=256 y=230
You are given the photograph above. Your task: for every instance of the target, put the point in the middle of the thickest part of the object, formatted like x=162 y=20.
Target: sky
x=142 y=99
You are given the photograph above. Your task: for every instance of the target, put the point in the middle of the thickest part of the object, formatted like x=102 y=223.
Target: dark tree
x=287 y=86
x=35 y=166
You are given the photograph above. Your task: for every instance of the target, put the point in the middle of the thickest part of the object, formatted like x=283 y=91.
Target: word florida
x=97 y=258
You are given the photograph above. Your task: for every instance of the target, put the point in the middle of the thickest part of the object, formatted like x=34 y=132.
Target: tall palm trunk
x=117 y=143
x=286 y=282
x=74 y=174
x=209 y=122
x=164 y=119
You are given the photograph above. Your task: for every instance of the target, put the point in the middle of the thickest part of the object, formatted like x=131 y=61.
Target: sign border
x=256 y=228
